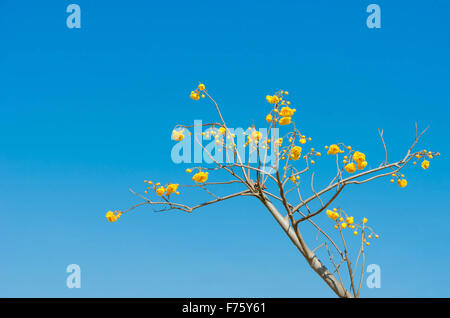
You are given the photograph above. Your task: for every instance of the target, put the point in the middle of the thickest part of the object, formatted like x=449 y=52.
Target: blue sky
x=87 y=113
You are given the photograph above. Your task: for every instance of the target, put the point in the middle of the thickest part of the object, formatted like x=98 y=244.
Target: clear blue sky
x=86 y=114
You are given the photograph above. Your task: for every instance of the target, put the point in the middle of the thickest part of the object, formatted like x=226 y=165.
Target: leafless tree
x=277 y=186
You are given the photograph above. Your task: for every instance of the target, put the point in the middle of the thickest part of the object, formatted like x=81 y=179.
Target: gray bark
x=309 y=255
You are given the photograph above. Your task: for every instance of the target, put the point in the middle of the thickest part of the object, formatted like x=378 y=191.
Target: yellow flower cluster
x=161 y=190
x=171 y=188
x=200 y=177
x=333 y=214
x=350 y=168
x=425 y=154
x=272 y=99
x=401 y=181
x=284 y=121
x=358 y=157
x=333 y=149
x=255 y=136
x=294 y=178
x=283 y=115
x=296 y=152
x=195 y=95
x=222 y=136
x=279 y=141
x=344 y=221
x=113 y=216
x=178 y=135
x=222 y=131
x=287 y=112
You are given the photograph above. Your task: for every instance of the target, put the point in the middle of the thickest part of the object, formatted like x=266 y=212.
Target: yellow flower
x=287 y=112
x=272 y=99
x=364 y=220
x=343 y=225
x=350 y=168
x=188 y=170
x=279 y=141
x=425 y=164
x=113 y=216
x=333 y=149
x=195 y=96
x=255 y=136
x=222 y=130
x=177 y=135
x=200 y=177
x=332 y=215
x=359 y=157
x=292 y=178
x=201 y=87
x=362 y=165
x=160 y=191
x=350 y=220
x=285 y=121
x=303 y=141
x=402 y=183
x=269 y=118
x=171 y=188
x=296 y=152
